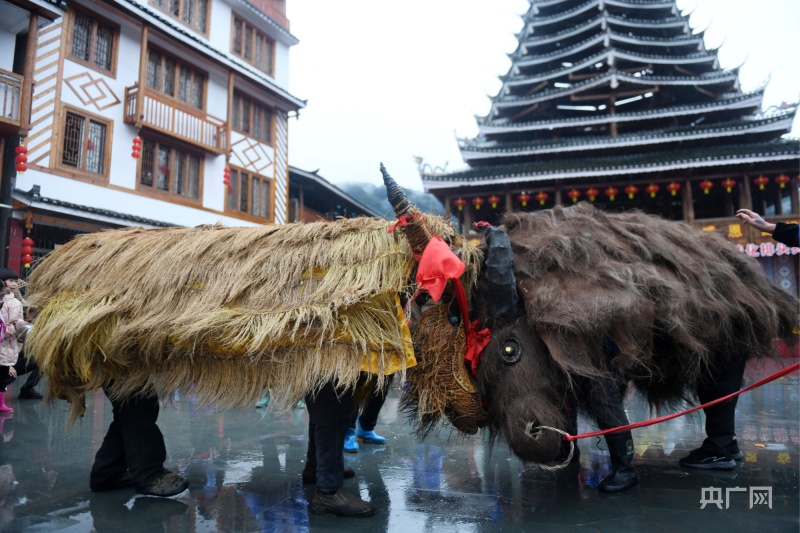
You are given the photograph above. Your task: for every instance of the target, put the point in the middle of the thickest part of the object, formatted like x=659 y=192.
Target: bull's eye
x=511 y=351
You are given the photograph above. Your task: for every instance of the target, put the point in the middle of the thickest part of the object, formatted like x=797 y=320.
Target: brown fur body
x=677 y=302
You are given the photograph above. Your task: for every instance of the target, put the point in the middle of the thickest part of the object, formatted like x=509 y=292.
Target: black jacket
x=788 y=234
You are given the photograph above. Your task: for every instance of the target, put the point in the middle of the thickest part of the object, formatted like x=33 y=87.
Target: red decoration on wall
x=674 y=187
x=706 y=185
x=226 y=178
x=137 y=147
x=542 y=197
x=652 y=189
x=27 y=252
x=478 y=202
x=574 y=194
x=494 y=200
x=592 y=194
x=761 y=181
x=729 y=184
x=523 y=198
x=459 y=203
x=782 y=180
x=631 y=190
x=611 y=192
x=21 y=159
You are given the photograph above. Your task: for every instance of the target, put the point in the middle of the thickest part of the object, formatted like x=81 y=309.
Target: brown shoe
x=165 y=484
x=310 y=472
x=342 y=503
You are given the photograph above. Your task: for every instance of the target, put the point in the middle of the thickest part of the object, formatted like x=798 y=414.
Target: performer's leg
x=607 y=406
x=369 y=415
x=331 y=415
x=720 y=449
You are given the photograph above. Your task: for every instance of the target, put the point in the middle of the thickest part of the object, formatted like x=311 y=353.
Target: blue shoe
x=263 y=402
x=350 y=442
x=370 y=437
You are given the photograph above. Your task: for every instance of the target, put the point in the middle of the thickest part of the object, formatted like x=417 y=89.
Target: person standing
x=788 y=234
x=12 y=316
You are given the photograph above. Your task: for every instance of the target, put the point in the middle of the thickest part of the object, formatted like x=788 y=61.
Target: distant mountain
x=374 y=196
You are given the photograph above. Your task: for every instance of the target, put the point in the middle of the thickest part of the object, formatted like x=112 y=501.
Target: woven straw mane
x=225 y=312
x=676 y=300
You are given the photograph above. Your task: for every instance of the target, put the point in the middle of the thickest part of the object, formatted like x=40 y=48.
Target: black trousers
x=372 y=407
x=721 y=418
x=133 y=442
x=26 y=365
x=330 y=416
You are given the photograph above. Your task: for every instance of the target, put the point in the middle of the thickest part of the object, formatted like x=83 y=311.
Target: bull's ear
x=569 y=354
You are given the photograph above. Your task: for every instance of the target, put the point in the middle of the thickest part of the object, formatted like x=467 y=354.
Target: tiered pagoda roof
x=615 y=89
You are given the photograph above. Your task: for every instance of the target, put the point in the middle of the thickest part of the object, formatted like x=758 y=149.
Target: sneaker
x=263 y=402
x=310 y=473
x=122 y=480
x=165 y=484
x=342 y=503
x=30 y=394
x=370 y=437
x=350 y=442
x=733 y=450
x=701 y=458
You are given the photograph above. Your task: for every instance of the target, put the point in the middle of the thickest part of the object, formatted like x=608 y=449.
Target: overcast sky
x=388 y=80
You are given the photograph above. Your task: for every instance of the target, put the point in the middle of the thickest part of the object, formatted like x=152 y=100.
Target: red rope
x=652 y=421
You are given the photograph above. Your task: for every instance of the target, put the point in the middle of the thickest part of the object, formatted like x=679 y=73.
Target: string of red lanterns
x=27 y=252
x=226 y=178
x=21 y=159
x=137 y=147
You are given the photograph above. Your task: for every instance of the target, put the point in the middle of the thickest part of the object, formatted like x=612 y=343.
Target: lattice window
x=252 y=45
x=164 y=74
x=84 y=145
x=251 y=118
x=93 y=41
x=249 y=194
x=170 y=170
x=192 y=13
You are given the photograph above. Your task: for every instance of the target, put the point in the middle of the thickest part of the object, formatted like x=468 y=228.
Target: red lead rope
x=652 y=421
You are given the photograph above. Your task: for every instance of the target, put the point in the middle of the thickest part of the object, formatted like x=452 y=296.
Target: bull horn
x=416 y=231
x=396 y=195
x=499 y=274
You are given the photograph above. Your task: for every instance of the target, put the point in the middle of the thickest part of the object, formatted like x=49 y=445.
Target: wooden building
x=150 y=113
x=618 y=102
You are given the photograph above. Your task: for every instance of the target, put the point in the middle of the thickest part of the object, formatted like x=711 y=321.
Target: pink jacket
x=10 y=348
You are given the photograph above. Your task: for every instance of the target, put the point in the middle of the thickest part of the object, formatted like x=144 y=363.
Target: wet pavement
x=244 y=467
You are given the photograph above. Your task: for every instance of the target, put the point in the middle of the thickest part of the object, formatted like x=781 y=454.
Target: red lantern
x=523 y=198
x=542 y=197
x=674 y=187
x=478 y=202
x=460 y=203
x=761 y=181
x=782 y=180
x=592 y=194
x=611 y=192
x=706 y=185
x=27 y=252
x=21 y=159
x=729 y=184
x=137 y=147
x=226 y=178
x=574 y=194
x=652 y=189
x=631 y=190
x=494 y=200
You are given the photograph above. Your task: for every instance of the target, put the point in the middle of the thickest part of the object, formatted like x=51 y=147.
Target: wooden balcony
x=10 y=100
x=164 y=115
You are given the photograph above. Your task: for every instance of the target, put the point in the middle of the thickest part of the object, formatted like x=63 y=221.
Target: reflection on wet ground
x=245 y=466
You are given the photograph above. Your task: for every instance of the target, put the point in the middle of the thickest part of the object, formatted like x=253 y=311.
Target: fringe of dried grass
x=223 y=312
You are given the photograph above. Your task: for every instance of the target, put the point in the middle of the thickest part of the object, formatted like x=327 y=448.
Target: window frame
x=80 y=171
x=179 y=17
x=96 y=22
x=173 y=146
x=235 y=194
x=256 y=34
x=253 y=104
x=176 y=80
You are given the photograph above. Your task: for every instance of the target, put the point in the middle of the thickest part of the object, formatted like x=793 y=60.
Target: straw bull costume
x=228 y=312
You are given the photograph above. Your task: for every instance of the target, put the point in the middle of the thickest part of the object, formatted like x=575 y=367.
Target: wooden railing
x=10 y=96
x=167 y=116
